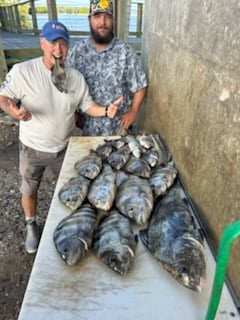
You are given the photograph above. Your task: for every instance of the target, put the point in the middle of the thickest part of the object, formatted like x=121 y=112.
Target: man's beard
x=102 y=39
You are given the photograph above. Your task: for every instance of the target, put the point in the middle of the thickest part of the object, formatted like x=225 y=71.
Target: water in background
x=72 y=21
x=76 y=22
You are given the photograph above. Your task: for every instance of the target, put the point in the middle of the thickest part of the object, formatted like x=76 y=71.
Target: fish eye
x=183 y=270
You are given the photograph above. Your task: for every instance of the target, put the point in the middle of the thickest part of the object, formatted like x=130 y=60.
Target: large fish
x=73 y=235
x=89 y=166
x=115 y=243
x=173 y=239
x=102 y=190
x=74 y=192
x=134 y=199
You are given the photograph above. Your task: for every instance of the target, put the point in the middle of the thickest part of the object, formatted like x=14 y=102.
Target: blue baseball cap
x=53 y=30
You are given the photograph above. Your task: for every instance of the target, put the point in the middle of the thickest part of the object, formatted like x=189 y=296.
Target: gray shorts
x=32 y=164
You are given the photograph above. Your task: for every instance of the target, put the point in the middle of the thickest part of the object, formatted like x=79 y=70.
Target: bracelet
x=106 y=111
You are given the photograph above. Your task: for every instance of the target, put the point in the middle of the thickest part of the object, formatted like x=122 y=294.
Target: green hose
x=231 y=232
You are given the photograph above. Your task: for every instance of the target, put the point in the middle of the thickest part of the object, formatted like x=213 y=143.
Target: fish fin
x=85 y=244
x=130 y=251
x=144 y=236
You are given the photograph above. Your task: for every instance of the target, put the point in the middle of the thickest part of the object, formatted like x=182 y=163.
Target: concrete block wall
x=191 y=51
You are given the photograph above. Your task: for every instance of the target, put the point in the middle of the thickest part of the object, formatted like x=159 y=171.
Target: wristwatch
x=106 y=111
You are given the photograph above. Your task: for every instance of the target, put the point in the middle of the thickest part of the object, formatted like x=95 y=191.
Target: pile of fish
x=127 y=184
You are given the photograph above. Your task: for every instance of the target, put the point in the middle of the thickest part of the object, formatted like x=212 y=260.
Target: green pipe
x=231 y=232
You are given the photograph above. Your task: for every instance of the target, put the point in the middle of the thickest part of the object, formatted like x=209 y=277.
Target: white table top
x=91 y=290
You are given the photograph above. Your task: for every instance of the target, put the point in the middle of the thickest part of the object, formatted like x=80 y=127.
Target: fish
x=163 y=154
x=173 y=238
x=89 y=166
x=102 y=190
x=134 y=199
x=104 y=150
x=162 y=178
x=133 y=144
x=145 y=140
x=119 y=158
x=58 y=76
x=117 y=143
x=151 y=156
x=74 y=234
x=114 y=242
x=139 y=167
x=74 y=192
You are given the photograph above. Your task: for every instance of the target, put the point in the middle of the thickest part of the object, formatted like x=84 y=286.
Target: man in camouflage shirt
x=111 y=69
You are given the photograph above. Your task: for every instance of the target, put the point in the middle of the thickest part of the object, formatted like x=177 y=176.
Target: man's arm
x=109 y=111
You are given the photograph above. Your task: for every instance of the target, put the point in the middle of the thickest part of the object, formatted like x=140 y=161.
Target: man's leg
x=29 y=204
x=31 y=170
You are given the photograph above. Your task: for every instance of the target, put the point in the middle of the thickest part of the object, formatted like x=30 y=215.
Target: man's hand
x=113 y=108
x=128 y=119
x=18 y=112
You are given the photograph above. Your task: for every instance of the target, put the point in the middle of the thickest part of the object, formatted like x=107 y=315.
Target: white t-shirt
x=52 y=111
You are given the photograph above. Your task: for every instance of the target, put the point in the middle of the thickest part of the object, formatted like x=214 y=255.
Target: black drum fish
x=174 y=240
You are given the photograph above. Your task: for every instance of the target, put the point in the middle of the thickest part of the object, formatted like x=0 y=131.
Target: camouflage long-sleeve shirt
x=114 y=72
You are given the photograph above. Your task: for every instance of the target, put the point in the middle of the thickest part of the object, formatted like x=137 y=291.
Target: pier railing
x=23 y=17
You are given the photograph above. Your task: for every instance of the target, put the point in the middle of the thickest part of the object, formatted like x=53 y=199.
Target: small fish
x=162 y=178
x=134 y=199
x=102 y=190
x=74 y=234
x=173 y=239
x=58 y=76
x=145 y=140
x=119 y=158
x=117 y=143
x=115 y=243
x=151 y=156
x=139 y=167
x=134 y=145
x=163 y=153
x=104 y=150
x=74 y=192
x=89 y=166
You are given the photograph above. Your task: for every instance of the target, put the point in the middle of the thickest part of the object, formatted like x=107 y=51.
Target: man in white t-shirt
x=46 y=112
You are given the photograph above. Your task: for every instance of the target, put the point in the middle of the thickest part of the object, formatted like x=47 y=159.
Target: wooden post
x=10 y=19
x=122 y=16
x=17 y=21
x=139 y=19
x=52 y=9
x=3 y=63
x=34 y=17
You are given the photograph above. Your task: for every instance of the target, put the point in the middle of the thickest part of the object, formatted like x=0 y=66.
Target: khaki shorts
x=32 y=164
